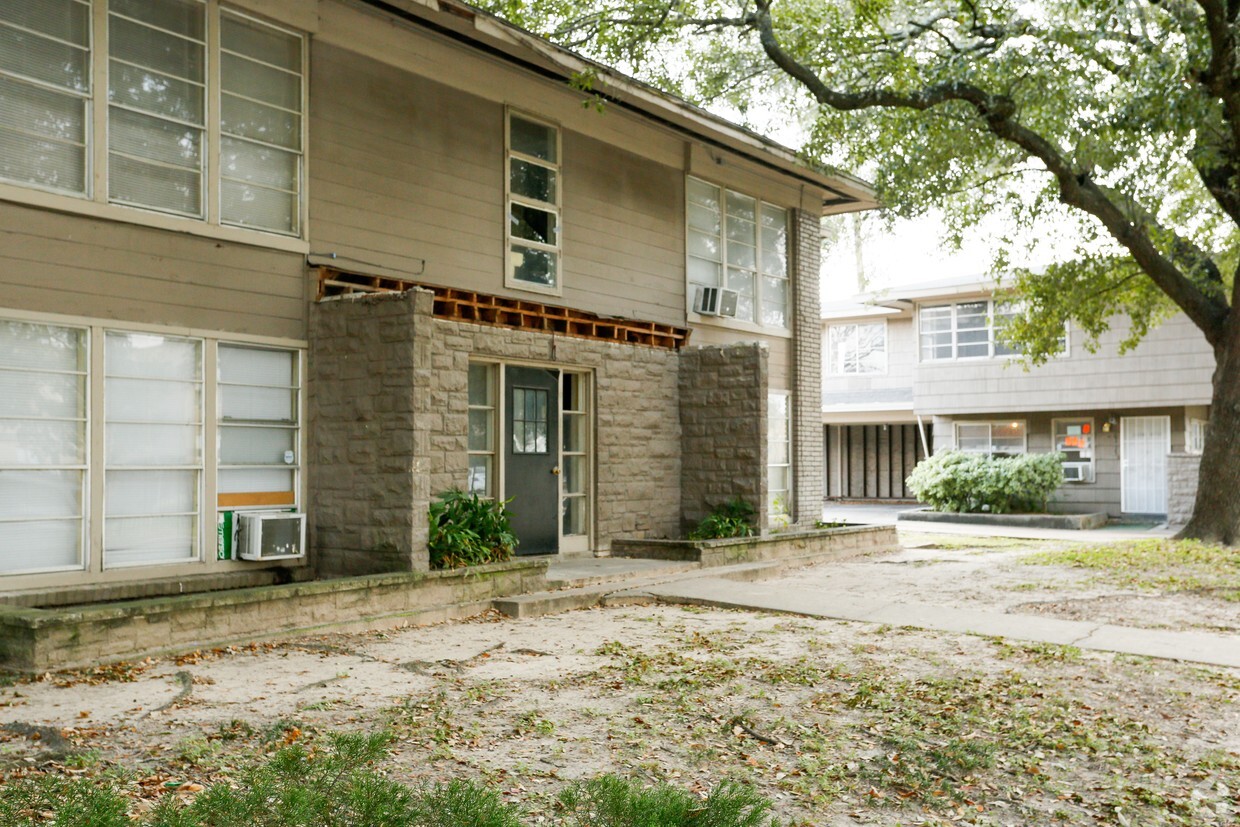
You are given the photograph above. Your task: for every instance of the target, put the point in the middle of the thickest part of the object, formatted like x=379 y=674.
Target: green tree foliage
x=1119 y=119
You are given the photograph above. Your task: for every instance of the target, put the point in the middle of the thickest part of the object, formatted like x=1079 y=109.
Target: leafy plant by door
x=730 y=519
x=468 y=530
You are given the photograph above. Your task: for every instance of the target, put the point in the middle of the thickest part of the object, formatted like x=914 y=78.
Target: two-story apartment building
x=332 y=257
x=923 y=369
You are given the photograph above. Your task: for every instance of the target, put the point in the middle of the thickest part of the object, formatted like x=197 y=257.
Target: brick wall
x=723 y=420
x=1182 y=470
x=808 y=460
x=368 y=372
x=637 y=428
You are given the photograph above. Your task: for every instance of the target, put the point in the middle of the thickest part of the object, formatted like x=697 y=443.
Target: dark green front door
x=532 y=457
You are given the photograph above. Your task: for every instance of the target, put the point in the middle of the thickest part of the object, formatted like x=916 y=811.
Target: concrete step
x=633 y=591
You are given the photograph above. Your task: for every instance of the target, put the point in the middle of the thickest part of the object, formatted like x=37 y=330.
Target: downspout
x=921 y=429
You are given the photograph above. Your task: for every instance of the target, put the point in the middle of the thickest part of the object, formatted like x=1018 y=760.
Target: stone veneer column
x=368 y=393
x=723 y=420
x=1182 y=472
x=808 y=462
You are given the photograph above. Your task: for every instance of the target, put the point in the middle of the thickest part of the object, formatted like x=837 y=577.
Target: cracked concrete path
x=1196 y=647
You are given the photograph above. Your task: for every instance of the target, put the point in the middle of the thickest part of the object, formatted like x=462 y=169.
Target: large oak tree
x=1121 y=116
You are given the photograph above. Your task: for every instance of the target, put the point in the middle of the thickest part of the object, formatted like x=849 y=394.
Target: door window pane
x=529 y=420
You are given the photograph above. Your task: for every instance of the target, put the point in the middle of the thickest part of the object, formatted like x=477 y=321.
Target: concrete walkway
x=580 y=582
x=1198 y=647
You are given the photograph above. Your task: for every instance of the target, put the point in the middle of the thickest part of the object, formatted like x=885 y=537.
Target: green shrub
x=610 y=801
x=467 y=530
x=731 y=519
x=960 y=482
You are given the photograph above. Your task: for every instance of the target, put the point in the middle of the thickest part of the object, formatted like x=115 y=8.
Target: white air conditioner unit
x=271 y=535
x=715 y=301
x=1078 y=472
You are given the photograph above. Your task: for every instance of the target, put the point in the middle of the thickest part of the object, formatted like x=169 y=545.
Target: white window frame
x=785 y=516
x=556 y=208
x=491 y=411
x=1092 y=446
x=1195 y=435
x=990 y=425
x=850 y=332
x=993 y=312
x=84 y=502
x=94 y=568
x=789 y=264
x=296 y=467
x=95 y=202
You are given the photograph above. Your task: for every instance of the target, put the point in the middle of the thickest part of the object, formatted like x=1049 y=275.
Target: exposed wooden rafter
x=455 y=304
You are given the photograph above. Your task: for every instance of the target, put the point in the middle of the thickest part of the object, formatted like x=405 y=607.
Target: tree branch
x=997 y=113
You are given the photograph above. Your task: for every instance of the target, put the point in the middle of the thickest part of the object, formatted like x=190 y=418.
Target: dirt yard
x=837 y=723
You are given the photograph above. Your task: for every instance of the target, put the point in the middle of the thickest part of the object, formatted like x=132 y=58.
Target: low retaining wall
x=62 y=638
x=1072 y=522
x=821 y=543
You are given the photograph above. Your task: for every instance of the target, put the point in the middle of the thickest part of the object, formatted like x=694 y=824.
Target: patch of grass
x=1163 y=566
x=611 y=801
x=1036 y=652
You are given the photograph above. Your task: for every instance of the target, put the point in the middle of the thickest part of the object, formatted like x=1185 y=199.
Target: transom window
x=996 y=439
x=533 y=226
x=857 y=348
x=153 y=90
x=740 y=243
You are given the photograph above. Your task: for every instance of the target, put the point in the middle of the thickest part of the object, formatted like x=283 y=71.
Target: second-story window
x=533 y=227
x=857 y=348
x=146 y=73
x=740 y=243
x=968 y=330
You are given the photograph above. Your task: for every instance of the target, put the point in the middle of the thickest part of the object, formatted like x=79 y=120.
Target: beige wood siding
x=901 y=359
x=77 y=266
x=407 y=174
x=780 y=364
x=1173 y=366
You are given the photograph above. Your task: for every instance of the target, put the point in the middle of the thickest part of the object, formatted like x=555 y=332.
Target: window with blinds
x=162 y=151
x=153 y=448
x=42 y=446
x=740 y=243
x=258 y=426
x=45 y=93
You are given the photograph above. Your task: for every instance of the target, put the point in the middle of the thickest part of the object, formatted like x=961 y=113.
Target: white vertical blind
x=45 y=92
x=153 y=448
x=258 y=426
x=42 y=446
x=260 y=128
x=156 y=90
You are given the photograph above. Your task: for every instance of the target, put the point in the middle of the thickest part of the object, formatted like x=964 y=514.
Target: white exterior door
x=1144 y=442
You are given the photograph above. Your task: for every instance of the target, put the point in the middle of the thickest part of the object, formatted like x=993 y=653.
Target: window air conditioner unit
x=271 y=535
x=715 y=301
x=1078 y=472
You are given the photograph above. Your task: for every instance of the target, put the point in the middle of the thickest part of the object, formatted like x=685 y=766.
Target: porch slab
x=42 y=639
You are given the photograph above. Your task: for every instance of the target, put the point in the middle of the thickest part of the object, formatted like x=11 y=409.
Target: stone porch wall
x=808 y=448
x=723 y=420
x=637 y=429
x=369 y=370
x=1182 y=471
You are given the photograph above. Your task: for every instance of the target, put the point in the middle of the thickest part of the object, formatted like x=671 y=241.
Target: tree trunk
x=1216 y=512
